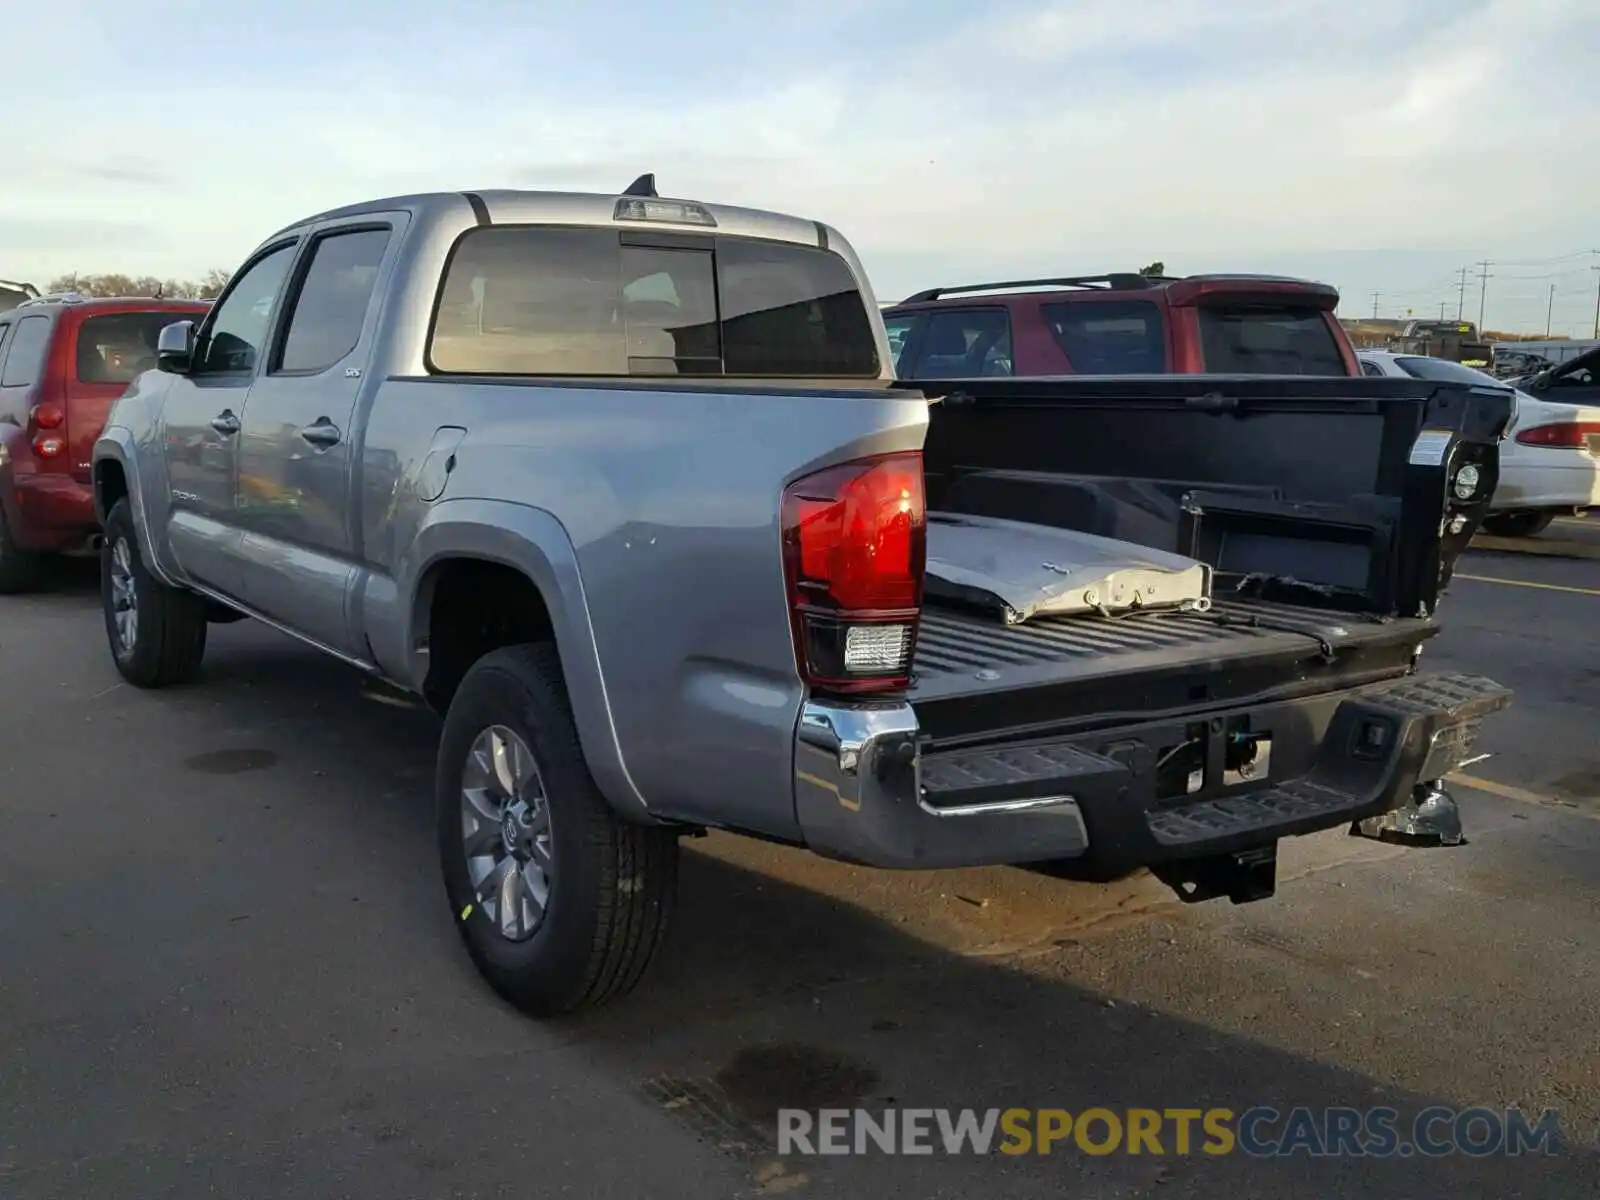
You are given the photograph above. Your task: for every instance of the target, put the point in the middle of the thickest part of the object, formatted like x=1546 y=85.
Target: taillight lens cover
x=855 y=550
x=49 y=447
x=1572 y=435
x=48 y=416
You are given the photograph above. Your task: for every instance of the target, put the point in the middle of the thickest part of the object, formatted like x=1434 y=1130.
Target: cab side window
x=330 y=309
x=239 y=325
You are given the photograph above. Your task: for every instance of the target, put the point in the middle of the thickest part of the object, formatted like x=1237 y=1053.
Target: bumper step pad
x=1296 y=800
x=1459 y=697
x=956 y=778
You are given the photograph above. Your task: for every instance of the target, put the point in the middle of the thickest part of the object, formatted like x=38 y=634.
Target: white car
x=1549 y=462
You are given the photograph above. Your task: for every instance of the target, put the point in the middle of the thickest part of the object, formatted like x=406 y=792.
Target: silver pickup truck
x=625 y=488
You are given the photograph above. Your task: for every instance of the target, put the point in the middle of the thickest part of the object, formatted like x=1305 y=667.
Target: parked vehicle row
x=1550 y=461
x=630 y=490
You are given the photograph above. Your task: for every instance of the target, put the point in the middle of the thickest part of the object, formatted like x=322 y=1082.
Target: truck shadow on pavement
x=768 y=995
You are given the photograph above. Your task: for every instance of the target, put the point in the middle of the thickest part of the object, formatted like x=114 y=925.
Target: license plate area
x=1202 y=760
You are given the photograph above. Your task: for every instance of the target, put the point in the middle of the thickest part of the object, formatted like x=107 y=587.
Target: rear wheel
x=1518 y=525
x=561 y=904
x=157 y=633
x=19 y=570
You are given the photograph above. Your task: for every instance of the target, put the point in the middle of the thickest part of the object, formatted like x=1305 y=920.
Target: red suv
x=63 y=361
x=1122 y=325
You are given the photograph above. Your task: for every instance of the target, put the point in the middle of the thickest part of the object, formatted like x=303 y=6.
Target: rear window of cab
x=559 y=301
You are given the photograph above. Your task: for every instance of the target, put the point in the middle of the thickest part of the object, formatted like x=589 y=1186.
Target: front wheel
x=561 y=904
x=157 y=633
x=1518 y=525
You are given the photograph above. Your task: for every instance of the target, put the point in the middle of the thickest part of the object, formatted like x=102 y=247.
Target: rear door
x=292 y=503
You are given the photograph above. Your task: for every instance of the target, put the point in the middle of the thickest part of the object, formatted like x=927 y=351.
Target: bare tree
x=212 y=284
x=205 y=288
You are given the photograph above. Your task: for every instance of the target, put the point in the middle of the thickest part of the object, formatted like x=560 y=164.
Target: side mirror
x=175 y=347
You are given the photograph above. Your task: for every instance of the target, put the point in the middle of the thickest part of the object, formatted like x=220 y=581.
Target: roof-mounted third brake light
x=641 y=202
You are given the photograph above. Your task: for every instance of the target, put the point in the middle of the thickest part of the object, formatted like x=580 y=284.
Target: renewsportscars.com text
x=1260 y=1131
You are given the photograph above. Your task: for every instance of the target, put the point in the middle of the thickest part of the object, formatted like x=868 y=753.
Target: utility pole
x=1596 y=267
x=1548 y=309
x=1375 y=296
x=1442 y=303
x=1483 y=291
x=1461 y=299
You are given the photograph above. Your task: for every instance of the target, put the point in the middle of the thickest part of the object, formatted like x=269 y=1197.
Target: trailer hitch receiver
x=1241 y=876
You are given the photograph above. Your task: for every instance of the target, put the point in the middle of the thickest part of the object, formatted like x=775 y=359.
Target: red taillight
x=1573 y=435
x=48 y=416
x=855 y=540
x=49 y=447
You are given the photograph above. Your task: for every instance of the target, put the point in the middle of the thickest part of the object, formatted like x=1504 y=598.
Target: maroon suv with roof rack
x=64 y=360
x=1122 y=324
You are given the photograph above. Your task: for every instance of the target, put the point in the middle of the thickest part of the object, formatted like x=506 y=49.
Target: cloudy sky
x=1379 y=146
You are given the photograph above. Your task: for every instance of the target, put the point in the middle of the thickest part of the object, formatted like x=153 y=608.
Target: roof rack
x=80 y=298
x=1115 y=282
x=27 y=289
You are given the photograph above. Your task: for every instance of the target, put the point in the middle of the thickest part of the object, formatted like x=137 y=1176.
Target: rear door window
x=331 y=308
x=561 y=301
x=1237 y=340
x=115 y=347
x=25 y=359
x=962 y=343
x=1110 y=337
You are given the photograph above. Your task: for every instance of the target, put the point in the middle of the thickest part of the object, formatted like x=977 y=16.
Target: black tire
x=170 y=637
x=1518 y=525
x=19 y=570
x=613 y=883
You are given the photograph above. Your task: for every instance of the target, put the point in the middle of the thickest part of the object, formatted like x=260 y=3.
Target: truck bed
x=968 y=661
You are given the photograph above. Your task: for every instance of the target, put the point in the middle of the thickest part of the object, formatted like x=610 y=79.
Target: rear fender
x=534 y=542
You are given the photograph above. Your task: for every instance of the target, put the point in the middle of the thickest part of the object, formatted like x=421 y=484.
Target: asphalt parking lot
x=226 y=967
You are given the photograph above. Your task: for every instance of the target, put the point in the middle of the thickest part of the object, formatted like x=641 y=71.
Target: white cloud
x=1069 y=136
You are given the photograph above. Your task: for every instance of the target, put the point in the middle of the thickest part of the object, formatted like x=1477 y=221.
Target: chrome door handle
x=225 y=423
x=321 y=433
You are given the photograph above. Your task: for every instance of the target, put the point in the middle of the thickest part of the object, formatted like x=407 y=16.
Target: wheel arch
x=515 y=569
